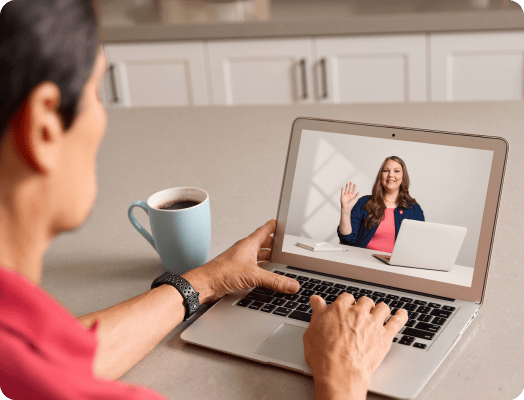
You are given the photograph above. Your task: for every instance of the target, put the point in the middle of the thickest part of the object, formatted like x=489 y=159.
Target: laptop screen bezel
x=498 y=145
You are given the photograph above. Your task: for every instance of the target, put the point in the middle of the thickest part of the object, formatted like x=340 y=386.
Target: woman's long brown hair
x=375 y=206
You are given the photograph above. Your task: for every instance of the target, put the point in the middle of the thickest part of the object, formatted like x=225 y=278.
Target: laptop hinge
x=371 y=283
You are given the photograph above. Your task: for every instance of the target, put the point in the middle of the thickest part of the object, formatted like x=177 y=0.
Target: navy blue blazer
x=360 y=237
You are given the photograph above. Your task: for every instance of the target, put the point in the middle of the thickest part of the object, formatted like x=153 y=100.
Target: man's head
x=51 y=120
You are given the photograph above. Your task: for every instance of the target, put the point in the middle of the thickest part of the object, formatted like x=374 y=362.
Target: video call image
x=409 y=208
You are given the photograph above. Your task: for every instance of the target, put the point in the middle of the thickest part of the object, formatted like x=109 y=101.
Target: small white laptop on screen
x=426 y=245
x=323 y=155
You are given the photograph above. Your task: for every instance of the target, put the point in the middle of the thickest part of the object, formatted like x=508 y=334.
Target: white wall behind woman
x=449 y=183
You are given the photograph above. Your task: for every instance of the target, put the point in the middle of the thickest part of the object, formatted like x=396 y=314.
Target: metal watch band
x=189 y=294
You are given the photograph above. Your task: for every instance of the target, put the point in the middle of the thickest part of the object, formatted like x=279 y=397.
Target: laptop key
x=302 y=278
x=340 y=286
x=291 y=275
x=256 y=305
x=384 y=300
x=279 y=272
x=438 y=320
x=323 y=295
x=428 y=327
x=406 y=299
x=356 y=289
x=440 y=313
x=420 y=302
x=396 y=304
x=291 y=304
x=279 y=302
x=303 y=300
x=366 y=291
x=278 y=295
x=423 y=309
x=316 y=281
x=292 y=297
x=320 y=288
x=308 y=293
x=307 y=285
x=434 y=305
x=333 y=290
x=407 y=340
x=412 y=314
x=331 y=298
x=259 y=297
x=301 y=316
x=303 y=308
x=418 y=333
x=448 y=308
x=379 y=294
x=282 y=311
x=411 y=323
x=244 y=302
x=268 y=308
x=327 y=283
x=392 y=297
x=424 y=317
x=410 y=307
x=420 y=345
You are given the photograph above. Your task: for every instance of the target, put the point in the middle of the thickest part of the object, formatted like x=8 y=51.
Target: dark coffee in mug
x=177 y=204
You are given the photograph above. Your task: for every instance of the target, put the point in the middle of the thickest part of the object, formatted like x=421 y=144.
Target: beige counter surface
x=125 y=21
x=238 y=155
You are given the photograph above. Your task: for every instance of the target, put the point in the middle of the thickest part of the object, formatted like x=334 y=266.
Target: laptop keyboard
x=426 y=319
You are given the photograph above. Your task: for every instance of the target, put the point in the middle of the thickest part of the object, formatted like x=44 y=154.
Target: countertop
x=238 y=154
x=145 y=20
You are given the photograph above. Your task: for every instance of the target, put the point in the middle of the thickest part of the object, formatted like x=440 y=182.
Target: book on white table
x=322 y=246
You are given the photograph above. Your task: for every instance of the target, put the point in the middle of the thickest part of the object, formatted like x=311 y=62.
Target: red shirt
x=384 y=237
x=46 y=353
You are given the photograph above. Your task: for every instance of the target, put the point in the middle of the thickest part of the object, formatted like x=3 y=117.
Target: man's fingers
x=381 y=311
x=267 y=243
x=261 y=234
x=396 y=322
x=277 y=282
x=263 y=254
x=366 y=303
x=346 y=298
x=317 y=303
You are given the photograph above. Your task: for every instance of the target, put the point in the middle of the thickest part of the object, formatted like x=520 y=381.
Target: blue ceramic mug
x=180 y=237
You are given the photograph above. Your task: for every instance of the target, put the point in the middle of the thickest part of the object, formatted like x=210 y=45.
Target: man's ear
x=38 y=129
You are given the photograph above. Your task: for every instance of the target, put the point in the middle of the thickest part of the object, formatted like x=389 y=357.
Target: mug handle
x=137 y=225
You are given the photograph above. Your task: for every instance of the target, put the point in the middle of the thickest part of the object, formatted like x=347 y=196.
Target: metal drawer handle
x=324 y=78
x=113 y=83
x=304 y=77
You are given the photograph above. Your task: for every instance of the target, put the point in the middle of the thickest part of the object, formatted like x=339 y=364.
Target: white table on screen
x=459 y=274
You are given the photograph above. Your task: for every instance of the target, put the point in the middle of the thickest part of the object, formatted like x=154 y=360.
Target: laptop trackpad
x=285 y=344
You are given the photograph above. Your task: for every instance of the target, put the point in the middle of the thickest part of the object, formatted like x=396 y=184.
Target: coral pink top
x=384 y=237
x=46 y=353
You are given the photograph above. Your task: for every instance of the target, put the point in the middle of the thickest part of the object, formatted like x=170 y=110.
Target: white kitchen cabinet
x=157 y=74
x=371 y=69
x=261 y=71
x=483 y=66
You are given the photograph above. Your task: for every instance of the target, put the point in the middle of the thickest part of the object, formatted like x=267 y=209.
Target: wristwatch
x=189 y=294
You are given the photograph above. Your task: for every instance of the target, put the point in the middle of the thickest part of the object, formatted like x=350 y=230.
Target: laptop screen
x=395 y=180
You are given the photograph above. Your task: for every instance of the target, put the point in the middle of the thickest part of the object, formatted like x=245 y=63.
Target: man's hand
x=238 y=268
x=346 y=341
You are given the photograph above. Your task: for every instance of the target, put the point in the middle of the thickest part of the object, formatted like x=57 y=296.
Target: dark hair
x=375 y=206
x=46 y=40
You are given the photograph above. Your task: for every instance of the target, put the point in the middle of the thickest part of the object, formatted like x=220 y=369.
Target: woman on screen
x=373 y=222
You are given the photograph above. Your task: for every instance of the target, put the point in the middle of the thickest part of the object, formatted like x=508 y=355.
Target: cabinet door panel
x=372 y=69
x=479 y=66
x=158 y=74
x=261 y=71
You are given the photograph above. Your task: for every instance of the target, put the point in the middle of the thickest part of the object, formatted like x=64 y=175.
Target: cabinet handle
x=304 y=77
x=324 y=78
x=113 y=83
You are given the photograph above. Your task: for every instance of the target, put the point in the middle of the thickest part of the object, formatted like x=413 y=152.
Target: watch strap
x=187 y=291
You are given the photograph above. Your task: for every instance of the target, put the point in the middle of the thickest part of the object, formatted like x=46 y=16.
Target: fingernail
x=291 y=285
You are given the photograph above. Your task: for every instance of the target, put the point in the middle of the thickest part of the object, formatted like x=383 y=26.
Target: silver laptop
x=426 y=245
x=456 y=179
